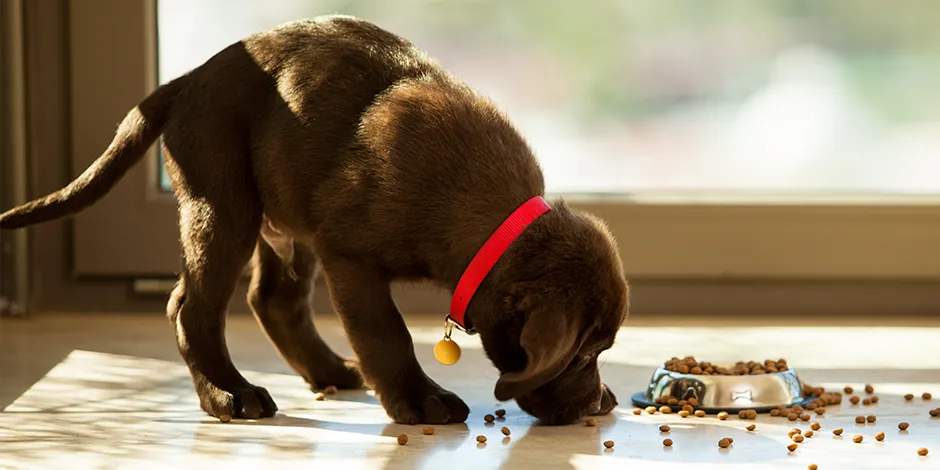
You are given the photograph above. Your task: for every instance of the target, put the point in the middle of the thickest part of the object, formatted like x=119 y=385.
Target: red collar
x=490 y=253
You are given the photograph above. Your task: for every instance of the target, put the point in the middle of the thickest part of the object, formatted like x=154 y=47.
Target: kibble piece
x=683 y=369
x=590 y=422
x=637 y=411
x=869 y=389
x=821 y=410
x=730 y=439
x=797 y=438
x=225 y=418
x=774 y=412
x=857 y=438
x=794 y=431
x=751 y=427
x=500 y=413
x=609 y=444
x=854 y=399
x=700 y=413
x=808 y=433
x=651 y=409
x=837 y=431
x=429 y=430
x=664 y=428
x=791 y=447
x=684 y=414
x=330 y=389
x=665 y=410
x=909 y=396
x=667 y=442
x=688 y=408
x=815 y=425
x=693 y=401
x=797 y=409
x=812 y=406
x=402 y=439
x=805 y=417
x=859 y=420
x=922 y=452
x=848 y=389
x=682 y=403
x=319 y=396
x=793 y=416
x=872 y=418
x=926 y=396
x=874 y=398
x=696 y=370
x=724 y=443
x=481 y=439
x=489 y=418
x=742 y=414
x=722 y=415
x=934 y=412
x=505 y=431
x=672 y=401
x=880 y=436
x=751 y=414
x=812 y=466
x=866 y=402
x=904 y=425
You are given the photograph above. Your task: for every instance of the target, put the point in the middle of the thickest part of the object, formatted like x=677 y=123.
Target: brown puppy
x=332 y=144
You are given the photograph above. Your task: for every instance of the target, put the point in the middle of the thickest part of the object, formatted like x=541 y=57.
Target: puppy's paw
x=433 y=406
x=245 y=401
x=342 y=374
x=608 y=401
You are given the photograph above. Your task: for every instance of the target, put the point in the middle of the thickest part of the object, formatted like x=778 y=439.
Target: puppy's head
x=550 y=310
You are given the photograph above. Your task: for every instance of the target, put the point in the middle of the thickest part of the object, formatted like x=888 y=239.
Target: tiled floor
x=109 y=391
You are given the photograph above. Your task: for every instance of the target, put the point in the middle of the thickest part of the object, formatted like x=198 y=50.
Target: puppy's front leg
x=362 y=297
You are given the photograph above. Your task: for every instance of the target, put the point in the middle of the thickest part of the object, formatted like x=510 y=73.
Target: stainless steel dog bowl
x=726 y=392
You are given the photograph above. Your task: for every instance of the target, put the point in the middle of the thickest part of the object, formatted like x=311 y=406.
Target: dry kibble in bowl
x=609 y=444
x=857 y=438
x=837 y=431
x=402 y=439
x=590 y=422
x=903 y=426
x=880 y=436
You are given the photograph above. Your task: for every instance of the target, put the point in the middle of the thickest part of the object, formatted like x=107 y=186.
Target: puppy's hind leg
x=280 y=296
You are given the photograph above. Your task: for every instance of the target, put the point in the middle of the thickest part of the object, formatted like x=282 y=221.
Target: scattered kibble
x=812 y=466
x=225 y=418
x=909 y=396
x=866 y=402
x=742 y=414
x=684 y=414
x=637 y=411
x=591 y=422
x=904 y=425
x=880 y=436
x=330 y=390
x=722 y=415
x=805 y=417
x=402 y=439
x=848 y=389
x=922 y=452
x=688 y=407
x=319 y=396
x=859 y=420
x=609 y=444
x=791 y=447
x=489 y=418
x=869 y=389
x=667 y=442
x=730 y=439
x=693 y=401
x=774 y=412
x=501 y=412
x=673 y=401
x=935 y=412
x=815 y=425
x=793 y=416
x=874 y=398
x=751 y=427
x=651 y=409
x=505 y=431
x=871 y=418
x=724 y=443
x=664 y=428
x=429 y=430
x=700 y=413
x=837 y=431
x=808 y=433
x=821 y=410
x=797 y=438
x=481 y=439
x=926 y=396
x=854 y=399
x=665 y=410
x=857 y=438
x=794 y=431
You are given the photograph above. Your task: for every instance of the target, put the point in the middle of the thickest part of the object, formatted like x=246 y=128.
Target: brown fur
x=332 y=144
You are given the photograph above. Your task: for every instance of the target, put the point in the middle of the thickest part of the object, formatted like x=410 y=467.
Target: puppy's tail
x=139 y=129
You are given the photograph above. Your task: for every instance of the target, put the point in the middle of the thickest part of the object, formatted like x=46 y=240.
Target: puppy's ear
x=549 y=338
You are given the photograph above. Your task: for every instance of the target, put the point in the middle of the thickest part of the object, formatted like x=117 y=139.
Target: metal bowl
x=715 y=393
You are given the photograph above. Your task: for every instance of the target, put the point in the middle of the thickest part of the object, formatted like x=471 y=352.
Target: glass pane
x=791 y=96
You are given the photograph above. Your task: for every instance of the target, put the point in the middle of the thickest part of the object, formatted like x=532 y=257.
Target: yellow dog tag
x=446 y=351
